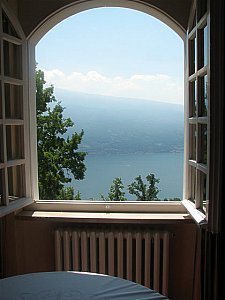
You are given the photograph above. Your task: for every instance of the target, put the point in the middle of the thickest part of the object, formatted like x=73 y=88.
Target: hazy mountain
x=120 y=125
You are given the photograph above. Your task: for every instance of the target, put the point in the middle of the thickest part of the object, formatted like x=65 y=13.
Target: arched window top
x=75 y=8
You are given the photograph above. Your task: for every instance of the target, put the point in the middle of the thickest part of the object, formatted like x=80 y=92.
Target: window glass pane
x=12 y=60
x=15 y=142
x=16 y=182
x=192 y=56
x=203 y=190
x=192 y=175
x=203 y=143
x=205 y=99
x=13 y=101
x=203 y=96
x=205 y=36
x=193 y=99
x=192 y=135
x=203 y=186
x=1 y=144
x=7 y=26
x=202 y=47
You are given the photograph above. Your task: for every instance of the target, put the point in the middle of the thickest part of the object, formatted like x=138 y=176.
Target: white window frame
x=195 y=205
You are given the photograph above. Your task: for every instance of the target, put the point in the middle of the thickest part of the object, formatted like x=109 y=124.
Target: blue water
x=102 y=169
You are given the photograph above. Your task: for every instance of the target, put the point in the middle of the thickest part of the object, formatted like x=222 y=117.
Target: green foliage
x=172 y=199
x=67 y=193
x=116 y=191
x=143 y=191
x=57 y=152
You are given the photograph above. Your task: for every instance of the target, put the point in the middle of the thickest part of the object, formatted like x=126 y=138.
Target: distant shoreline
x=128 y=153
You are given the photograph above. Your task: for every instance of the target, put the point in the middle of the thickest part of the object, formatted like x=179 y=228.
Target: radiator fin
x=138 y=255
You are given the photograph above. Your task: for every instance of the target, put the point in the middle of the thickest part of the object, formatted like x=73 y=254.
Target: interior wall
x=33 y=12
x=34 y=252
x=14 y=5
x=8 y=246
x=29 y=248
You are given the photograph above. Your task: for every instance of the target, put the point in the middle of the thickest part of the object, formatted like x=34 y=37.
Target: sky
x=114 y=51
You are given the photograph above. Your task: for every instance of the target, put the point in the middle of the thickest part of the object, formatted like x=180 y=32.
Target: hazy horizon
x=58 y=90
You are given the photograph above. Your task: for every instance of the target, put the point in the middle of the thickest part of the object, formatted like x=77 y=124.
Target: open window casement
x=15 y=191
x=197 y=114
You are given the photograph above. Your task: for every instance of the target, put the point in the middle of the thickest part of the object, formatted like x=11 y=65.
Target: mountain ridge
x=122 y=125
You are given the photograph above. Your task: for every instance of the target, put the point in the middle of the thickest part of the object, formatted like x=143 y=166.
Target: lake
x=102 y=169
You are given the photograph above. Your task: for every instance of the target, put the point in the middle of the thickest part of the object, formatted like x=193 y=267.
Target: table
x=73 y=285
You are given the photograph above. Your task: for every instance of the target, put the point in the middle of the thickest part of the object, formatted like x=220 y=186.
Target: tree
x=143 y=191
x=116 y=191
x=172 y=199
x=68 y=193
x=58 y=154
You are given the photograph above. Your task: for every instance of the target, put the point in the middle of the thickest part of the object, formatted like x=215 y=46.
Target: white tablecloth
x=73 y=285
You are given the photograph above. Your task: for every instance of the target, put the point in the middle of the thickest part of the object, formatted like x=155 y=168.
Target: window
x=134 y=138
x=14 y=137
x=198 y=115
x=13 y=119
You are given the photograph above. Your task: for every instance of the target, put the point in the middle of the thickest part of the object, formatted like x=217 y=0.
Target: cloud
x=158 y=87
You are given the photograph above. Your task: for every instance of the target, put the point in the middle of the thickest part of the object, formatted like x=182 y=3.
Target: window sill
x=101 y=217
x=108 y=206
x=153 y=212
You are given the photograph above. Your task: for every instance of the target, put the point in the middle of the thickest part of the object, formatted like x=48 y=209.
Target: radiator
x=140 y=256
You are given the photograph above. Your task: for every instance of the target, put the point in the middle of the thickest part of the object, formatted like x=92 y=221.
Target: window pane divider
x=203 y=71
x=193 y=120
x=14 y=122
x=192 y=77
x=192 y=34
x=202 y=22
x=202 y=120
x=12 y=39
x=192 y=163
x=15 y=162
x=11 y=80
x=202 y=167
